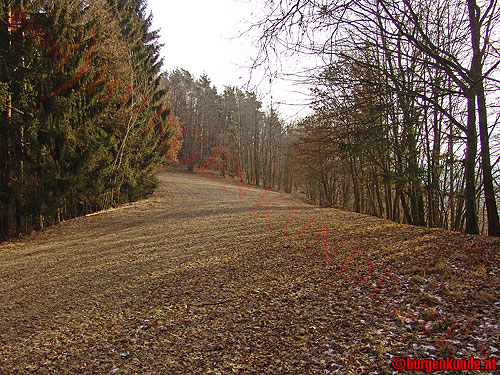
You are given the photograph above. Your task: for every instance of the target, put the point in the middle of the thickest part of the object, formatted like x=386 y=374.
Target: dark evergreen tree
x=85 y=122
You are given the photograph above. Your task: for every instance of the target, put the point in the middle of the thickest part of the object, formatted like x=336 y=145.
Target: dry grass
x=193 y=281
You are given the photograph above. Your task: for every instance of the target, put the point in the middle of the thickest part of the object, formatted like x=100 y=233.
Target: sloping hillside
x=206 y=278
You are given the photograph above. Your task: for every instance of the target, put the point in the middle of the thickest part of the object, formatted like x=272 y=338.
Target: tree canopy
x=85 y=121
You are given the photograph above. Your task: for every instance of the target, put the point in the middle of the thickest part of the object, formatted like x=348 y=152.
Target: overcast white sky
x=201 y=36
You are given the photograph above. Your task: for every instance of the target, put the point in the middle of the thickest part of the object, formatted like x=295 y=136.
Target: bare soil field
x=207 y=278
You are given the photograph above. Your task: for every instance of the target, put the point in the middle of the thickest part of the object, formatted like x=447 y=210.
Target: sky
x=204 y=37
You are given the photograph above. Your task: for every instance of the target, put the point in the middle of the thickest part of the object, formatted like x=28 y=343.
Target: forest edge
x=19 y=24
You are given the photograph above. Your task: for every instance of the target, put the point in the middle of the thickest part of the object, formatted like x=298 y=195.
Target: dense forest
x=404 y=124
x=85 y=120
x=357 y=151
x=230 y=131
x=405 y=105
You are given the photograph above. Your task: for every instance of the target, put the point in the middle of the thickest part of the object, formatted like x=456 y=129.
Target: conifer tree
x=85 y=123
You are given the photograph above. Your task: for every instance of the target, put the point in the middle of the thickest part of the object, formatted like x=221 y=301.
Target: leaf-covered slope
x=192 y=280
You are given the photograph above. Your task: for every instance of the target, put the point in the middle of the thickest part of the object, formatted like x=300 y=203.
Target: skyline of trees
x=352 y=153
x=232 y=122
x=403 y=127
x=417 y=75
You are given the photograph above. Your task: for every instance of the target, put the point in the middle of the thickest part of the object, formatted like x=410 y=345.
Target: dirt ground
x=194 y=281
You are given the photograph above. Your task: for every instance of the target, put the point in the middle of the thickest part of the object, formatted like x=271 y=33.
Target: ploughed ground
x=193 y=280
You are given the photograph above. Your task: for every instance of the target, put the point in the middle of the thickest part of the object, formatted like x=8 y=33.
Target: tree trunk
x=471 y=222
x=489 y=191
x=478 y=89
x=11 y=206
